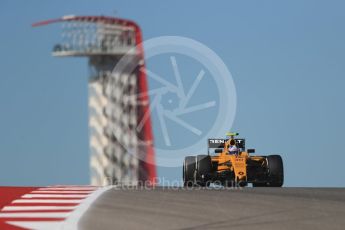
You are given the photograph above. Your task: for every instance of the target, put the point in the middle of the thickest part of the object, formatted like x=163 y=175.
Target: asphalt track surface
x=249 y=208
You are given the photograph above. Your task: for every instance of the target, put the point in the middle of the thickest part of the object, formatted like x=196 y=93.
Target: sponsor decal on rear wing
x=216 y=143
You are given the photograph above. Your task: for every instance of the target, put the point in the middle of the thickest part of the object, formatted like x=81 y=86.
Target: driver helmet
x=233 y=149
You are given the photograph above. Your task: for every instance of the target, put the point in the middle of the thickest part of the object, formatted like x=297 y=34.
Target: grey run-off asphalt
x=248 y=208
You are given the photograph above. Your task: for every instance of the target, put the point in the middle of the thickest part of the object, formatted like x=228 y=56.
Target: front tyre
x=189 y=167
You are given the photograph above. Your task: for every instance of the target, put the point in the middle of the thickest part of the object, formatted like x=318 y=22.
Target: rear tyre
x=203 y=170
x=275 y=171
x=189 y=167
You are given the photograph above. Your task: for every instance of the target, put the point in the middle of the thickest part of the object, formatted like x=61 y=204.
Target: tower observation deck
x=120 y=150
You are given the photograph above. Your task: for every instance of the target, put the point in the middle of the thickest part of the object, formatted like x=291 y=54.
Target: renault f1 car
x=230 y=164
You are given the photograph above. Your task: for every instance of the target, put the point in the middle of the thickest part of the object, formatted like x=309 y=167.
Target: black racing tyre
x=203 y=170
x=189 y=166
x=242 y=183
x=229 y=183
x=259 y=184
x=275 y=171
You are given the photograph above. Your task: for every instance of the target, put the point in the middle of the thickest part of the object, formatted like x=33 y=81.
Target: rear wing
x=216 y=143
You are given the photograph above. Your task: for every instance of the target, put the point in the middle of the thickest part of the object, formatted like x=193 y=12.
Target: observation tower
x=121 y=150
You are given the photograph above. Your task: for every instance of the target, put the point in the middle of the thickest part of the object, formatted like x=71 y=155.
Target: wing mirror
x=250 y=150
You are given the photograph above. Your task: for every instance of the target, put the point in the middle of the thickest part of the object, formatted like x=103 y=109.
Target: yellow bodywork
x=236 y=163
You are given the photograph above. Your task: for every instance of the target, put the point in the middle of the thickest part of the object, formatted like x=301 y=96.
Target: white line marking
x=35 y=208
x=42 y=225
x=45 y=201
x=53 y=196
x=71 y=223
x=35 y=215
x=72 y=185
x=67 y=188
x=61 y=192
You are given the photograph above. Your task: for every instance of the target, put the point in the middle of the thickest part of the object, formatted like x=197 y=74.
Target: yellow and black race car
x=232 y=165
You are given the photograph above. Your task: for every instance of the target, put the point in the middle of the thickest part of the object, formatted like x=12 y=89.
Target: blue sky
x=286 y=58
